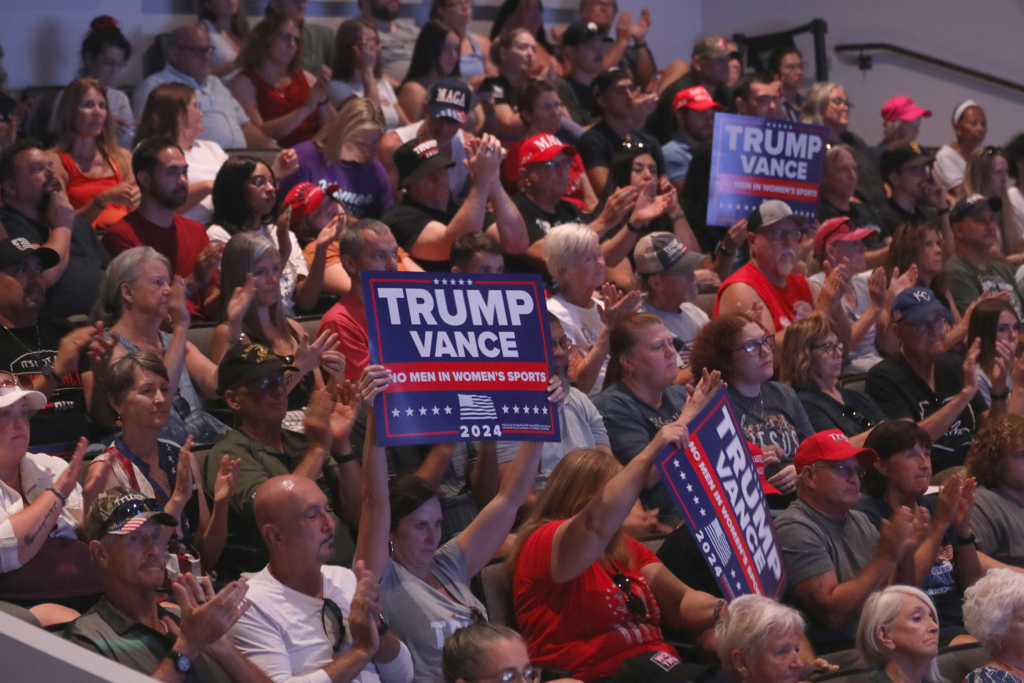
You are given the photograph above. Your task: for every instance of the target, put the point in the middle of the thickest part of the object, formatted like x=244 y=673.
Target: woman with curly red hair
x=996 y=461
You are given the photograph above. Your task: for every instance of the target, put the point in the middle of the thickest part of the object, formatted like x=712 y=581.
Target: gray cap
x=661 y=252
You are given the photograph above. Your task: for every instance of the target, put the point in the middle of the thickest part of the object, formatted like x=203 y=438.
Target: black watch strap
x=183 y=663
x=969 y=540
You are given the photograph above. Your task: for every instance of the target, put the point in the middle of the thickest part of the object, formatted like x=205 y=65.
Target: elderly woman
x=574 y=259
x=288 y=104
x=40 y=513
x=994 y=614
x=426 y=585
x=245 y=201
x=139 y=392
x=343 y=154
x=988 y=174
x=105 y=52
x=486 y=652
x=996 y=461
x=901 y=120
x=96 y=171
x=899 y=634
x=812 y=363
x=827 y=105
x=758 y=641
x=435 y=56
x=639 y=394
x=900 y=477
x=135 y=300
x=357 y=71
x=515 y=53
x=588 y=598
x=970 y=127
x=770 y=413
x=474 y=52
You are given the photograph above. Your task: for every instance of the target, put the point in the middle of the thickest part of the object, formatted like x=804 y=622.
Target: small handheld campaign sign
x=755 y=159
x=715 y=485
x=469 y=356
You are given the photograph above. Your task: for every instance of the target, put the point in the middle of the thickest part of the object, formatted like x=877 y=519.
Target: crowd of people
x=216 y=507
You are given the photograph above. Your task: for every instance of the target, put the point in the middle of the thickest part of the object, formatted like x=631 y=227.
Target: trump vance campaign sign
x=755 y=159
x=469 y=355
x=715 y=485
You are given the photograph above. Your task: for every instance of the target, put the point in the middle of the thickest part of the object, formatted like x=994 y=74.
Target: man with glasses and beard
x=397 y=37
x=162 y=174
x=310 y=619
x=767 y=282
x=923 y=383
x=36 y=209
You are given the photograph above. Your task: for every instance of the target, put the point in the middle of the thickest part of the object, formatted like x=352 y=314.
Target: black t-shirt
x=24 y=351
x=893 y=216
x=538 y=224
x=870 y=188
x=503 y=91
x=901 y=393
x=681 y=555
x=662 y=123
x=577 y=98
x=861 y=215
x=76 y=290
x=851 y=416
x=599 y=144
x=407 y=221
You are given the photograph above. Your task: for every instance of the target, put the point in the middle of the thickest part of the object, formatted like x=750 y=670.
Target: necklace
x=39 y=339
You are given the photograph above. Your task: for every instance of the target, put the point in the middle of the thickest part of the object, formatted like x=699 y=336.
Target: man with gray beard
x=768 y=284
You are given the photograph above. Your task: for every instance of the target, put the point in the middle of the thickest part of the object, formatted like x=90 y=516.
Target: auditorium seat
x=38 y=123
x=267 y=156
x=497 y=594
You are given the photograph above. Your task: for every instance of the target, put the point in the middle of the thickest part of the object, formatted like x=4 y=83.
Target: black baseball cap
x=14 y=250
x=247 y=363
x=417 y=159
x=581 y=33
x=607 y=79
x=971 y=206
x=900 y=155
x=449 y=98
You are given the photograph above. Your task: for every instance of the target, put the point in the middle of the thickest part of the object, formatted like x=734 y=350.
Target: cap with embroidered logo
x=972 y=206
x=417 y=159
x=449 y=98
x=247 y=362
x=16 y=249
x=915 y=304
x=830 y=445
x=662 y=252
x=120 y=511
x=696 y=98
x=305 y=198
x=541 y=148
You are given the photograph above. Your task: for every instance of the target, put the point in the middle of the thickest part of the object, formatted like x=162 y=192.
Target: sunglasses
x=129 y=510
x=10 y=383
x=862 y=420
x=269 y=383
x=636 y=606
x=181 y=406
x=336 y=618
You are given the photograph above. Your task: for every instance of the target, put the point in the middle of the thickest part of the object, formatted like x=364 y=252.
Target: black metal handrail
x=928 y=59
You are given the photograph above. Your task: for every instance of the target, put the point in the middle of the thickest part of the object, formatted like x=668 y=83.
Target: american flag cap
x=120 y=511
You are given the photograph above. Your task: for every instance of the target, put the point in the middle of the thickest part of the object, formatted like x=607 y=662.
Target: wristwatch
x=49 y=372
x=183 y=663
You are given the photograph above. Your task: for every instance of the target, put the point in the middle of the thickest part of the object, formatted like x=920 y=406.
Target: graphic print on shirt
x=997 y=285
x=956 y=430
x=771 y=430
x=443 y=629
x=67 y=396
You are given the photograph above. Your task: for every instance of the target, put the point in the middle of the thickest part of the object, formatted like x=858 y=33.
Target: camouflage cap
x=121 y=511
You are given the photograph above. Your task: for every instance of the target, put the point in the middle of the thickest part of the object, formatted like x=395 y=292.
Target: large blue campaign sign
x=469 y=357
x=715 y=485
x=755 y=159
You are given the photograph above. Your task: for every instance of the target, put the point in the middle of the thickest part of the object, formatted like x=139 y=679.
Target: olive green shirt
x=317 y=47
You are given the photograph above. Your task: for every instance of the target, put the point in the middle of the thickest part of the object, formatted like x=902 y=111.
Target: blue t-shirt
x=677 y=158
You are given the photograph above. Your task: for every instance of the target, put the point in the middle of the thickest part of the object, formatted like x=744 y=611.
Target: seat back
x=201 y=336
x=959 y=660
x=155 y=57
x=497 y=590
x=38 y=123
x=856 y=382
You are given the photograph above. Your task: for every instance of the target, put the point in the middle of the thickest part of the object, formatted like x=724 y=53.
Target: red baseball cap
x=305 y=198
x=838 y=230
x=696 y=98
x=902 y=108
x=758 y=456
x=543 y=147
x=830 y=445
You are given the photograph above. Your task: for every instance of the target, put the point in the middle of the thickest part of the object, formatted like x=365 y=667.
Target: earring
x=391 y=548
x=117 y=421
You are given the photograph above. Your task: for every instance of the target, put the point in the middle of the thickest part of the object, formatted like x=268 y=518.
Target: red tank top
x=82 y=189
x=274 y=103
x=793 y=302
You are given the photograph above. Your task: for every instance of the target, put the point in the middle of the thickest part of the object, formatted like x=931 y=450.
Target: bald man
x=188 y=62
x=310 y=621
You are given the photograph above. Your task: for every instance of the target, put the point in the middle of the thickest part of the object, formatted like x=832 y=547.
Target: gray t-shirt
x=813 y=544
x=423 y=617
x=775 y=417
x=582 y=427
x=396 y=47
x=998 y=525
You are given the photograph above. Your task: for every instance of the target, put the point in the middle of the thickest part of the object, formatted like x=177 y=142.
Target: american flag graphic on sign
x=718 y=539
x=476 y=407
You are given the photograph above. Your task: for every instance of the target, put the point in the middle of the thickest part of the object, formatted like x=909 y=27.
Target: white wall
x=984 y=36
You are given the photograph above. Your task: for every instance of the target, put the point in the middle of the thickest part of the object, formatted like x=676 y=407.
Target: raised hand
x=240 y=300
x=964 y=508
x=878 y=288
x=101 y=346
x=317 y=423
x=949 y=500
x=639 y=29
x=206 y=263
x=59 y=212
x=206 y=617
x=285 y=163
x=332 y=231
x=374 y=380
x=701 y=394
x=897 y=283
x=343 y=417
x=332 y=363
x=971 y=370
x=674 y=433
x=736 y=236
x=618 y=305
x=308 y=356
x=619 y=205
x=178 y=308
x=650 y=205
x=70 y=348
x=894 y=532
x=556 y=393
x=184 y=485
x=68 y=479
x=366 y=605
x=227 y=479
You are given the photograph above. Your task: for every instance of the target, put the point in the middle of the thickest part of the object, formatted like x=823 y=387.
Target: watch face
x=183 y=663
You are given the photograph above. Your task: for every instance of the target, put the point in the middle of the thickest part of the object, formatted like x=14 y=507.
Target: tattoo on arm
x=31 y=538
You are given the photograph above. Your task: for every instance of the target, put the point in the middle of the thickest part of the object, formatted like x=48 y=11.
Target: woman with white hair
x=573 y=257
x=758 y=641
x=994 y=614
x=899 y=634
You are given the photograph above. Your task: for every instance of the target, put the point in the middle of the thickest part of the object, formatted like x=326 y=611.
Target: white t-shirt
x=204 y=161
x=285 y=632
x=582 y=326
x=458 y=175
x=295 y=266
x=865 y=356
x=949 y=167
x=223 y=51
x=1017 y=202
x=342 y=90
x=38 y=473
x=685 y=324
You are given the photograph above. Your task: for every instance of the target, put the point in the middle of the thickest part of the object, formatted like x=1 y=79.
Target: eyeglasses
x=564 y=343
x=863 y=421
x=110 y=63
x=198 y=50
x=512 y=674
x=844 y=471
x=841 y=102
x=269 y=383
x=181 y=406
x=557 y=164
x=831 y=348
x=753 y=347
x=10 y=383
x=794 y=67
x=288 y=38
x=262 y=180
x=330 y=606
x=778 y=235
x=130 y=509
x=636 y=606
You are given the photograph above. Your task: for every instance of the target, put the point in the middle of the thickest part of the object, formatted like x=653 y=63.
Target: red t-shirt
x=583 y=625
x=181 y=245
x=786 y=306
x=347 y=319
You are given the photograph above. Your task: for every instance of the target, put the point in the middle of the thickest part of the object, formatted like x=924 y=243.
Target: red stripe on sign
x=469 y=376
x=767 y=187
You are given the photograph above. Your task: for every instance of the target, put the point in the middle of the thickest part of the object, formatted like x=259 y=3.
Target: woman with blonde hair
x=812 y=362
x=988 y=174
x=229 y=28
x=343 y=156
x=899 y=634
x=588 y=598
x=994 y=614
x=287 y=103
x=94 y=168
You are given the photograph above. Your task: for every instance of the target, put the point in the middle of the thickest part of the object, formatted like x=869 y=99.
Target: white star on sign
x=436 y=281
x=408 y=411
x=437 y=411
x=516 y=409
x=462 y=282
x=696 y=500
x=395 y=412
x=504 y=409
x=526 y=409
x=702 y=513
x=689 y=488
x=447 y=410
x=544 y=410
x=423 y=411
x=444 y=282
x=733 y=572
x=738 y=586
x=675 y=463
x=536 y=410
x=683 y=476
x=469 y=282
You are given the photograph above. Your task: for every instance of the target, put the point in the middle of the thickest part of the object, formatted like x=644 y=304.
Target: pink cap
x=902 y=108
x=696 y=98
x=838 y=230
